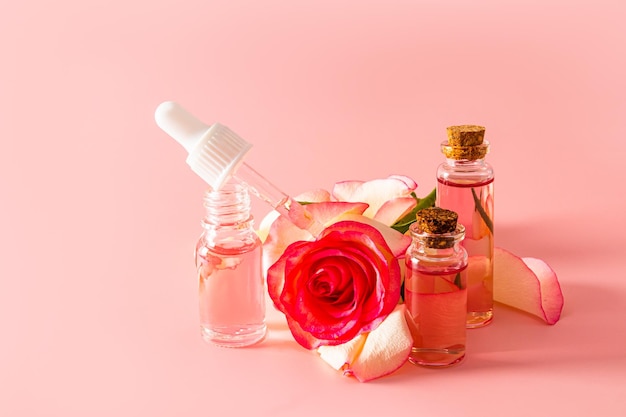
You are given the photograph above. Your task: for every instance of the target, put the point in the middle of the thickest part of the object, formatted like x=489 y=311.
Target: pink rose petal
x=393 y=210
x=410 y=183
x=551 y=295
x=313 y=196
x=328 y=212
x=282 y=232
x=375 y=192
x=527 y=284
x=375 y=354
x=397 y=242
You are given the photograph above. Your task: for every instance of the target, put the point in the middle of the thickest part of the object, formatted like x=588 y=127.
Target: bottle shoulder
x=463 y=172
x=229 y=239
x=434 y=265
x=417 y=253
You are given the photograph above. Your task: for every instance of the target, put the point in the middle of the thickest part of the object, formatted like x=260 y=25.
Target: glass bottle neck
x=442 y=247
x=469 y=163
x=466 y=172
x=228 y=206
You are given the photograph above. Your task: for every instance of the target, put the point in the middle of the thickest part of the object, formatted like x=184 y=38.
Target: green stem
x=457 y=280
x=403 y=224
x=482 y=212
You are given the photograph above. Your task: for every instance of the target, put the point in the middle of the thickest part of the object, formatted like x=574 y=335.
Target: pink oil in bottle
x=436 y=302
x=435 y=288
x=228 y=259
x=473 y=201
x=231 y=296
x=465 y=185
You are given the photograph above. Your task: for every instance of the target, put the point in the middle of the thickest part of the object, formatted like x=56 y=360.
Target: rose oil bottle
x=465 y=185
x=435 y=289
x=228 y=261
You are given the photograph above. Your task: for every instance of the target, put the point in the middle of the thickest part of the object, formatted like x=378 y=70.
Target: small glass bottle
x=465 y=185
x=435 y=291
x=228 y=260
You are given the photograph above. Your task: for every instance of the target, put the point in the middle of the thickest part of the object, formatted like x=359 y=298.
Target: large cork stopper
x=465 y=142
x=465 y=135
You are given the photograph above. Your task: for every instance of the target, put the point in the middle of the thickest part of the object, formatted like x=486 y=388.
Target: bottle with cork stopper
x=435 y=290
x=465 y=185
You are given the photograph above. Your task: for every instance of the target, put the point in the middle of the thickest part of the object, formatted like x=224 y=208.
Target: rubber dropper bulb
x=214 y=151
x=216 y=154
x=180 y=125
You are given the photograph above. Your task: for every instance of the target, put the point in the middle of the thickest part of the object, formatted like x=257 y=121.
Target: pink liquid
x=232 y=296
x=463 y=198
x=436 y=303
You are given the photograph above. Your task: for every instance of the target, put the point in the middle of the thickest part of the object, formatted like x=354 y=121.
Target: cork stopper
x=436 y=220
x=438 y=226
x=465 y=142
x=465 y=135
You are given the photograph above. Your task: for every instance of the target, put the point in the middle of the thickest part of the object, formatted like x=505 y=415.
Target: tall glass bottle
x=435 y=291
x=228 y=261
x=465 y=185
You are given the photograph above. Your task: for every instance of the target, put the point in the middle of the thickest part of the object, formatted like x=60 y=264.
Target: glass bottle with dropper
x=228 y=255
x=216 y=154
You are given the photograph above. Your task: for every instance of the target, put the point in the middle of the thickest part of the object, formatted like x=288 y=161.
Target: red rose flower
x=336 y=287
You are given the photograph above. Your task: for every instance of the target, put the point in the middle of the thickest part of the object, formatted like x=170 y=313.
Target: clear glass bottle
x=465 y=185
x=228 y=260
x=435 y=292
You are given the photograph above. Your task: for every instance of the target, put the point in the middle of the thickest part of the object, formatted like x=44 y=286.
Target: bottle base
x=437 y=358
x=476 y=319
x=234 y=336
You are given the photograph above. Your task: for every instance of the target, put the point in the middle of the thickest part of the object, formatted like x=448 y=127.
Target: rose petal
x=410 y=183
x=393 y=210
x=527 y=284
x=303 y=338
x=276 y=280
x=341 y=356
x=328 y=212
x=375 y=192
x=266 y=223
x=283 y=232
x=375 y=354
x=397 y=242
x=313 y=196
x=551 y=295
x=386 y=349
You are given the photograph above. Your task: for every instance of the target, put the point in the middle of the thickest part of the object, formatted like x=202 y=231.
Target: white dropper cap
x=214 y=151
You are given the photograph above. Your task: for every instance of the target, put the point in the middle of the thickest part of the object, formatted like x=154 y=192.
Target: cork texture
x=465 y=152
x=465 y=135
x=436 y=220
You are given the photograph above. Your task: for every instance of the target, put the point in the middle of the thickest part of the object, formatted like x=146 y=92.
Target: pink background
x=100 y=213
